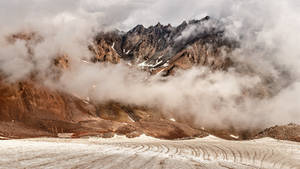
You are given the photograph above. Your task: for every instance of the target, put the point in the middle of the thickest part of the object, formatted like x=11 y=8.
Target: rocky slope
x=29 y=110
x=284 y=132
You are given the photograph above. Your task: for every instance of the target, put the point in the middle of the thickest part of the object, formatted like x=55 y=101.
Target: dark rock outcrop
x=164 y=49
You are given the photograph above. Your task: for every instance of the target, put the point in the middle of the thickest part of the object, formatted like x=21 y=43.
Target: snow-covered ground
x=146 y=152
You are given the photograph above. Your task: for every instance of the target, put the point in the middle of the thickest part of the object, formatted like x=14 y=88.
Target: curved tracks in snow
x=147 y=152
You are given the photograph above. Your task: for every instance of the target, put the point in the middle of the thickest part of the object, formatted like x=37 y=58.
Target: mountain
x=164 y=49
x=30 y=109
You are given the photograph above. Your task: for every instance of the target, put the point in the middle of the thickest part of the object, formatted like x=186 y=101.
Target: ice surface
x=148 y=152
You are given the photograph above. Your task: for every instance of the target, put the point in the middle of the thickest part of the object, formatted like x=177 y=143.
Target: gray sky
x=122 y=14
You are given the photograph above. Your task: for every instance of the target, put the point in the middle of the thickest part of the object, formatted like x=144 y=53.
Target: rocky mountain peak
x=137 y=29
x=164 y=48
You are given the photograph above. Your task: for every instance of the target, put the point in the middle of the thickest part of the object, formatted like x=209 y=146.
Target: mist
x=266 y=30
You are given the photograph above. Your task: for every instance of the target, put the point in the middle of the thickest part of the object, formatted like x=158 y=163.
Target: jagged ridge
x=162 y=48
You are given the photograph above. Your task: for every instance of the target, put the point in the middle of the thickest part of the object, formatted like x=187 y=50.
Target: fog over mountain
x=266 y=57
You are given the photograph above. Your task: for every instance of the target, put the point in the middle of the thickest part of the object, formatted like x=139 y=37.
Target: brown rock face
x=285 y=132
x=30 y=110
x=41 y=108
x=25 y=100
x=105 y=52
x=62 y=62
x=169 y=130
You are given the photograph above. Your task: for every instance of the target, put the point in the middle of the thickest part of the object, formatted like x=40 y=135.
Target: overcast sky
x=122 y=14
